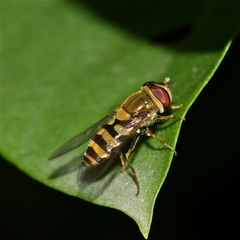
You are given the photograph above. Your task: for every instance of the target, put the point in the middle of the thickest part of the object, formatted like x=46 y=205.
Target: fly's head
x=160 y=93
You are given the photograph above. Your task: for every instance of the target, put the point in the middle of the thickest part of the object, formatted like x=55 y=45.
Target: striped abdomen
x=107 y=141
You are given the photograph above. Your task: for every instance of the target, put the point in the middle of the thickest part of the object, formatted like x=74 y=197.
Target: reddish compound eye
x=162 y=95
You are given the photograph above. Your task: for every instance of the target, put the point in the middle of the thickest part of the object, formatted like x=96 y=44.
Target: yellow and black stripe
x=107 y=140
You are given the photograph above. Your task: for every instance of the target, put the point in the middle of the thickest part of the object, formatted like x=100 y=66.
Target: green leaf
x=66 y=64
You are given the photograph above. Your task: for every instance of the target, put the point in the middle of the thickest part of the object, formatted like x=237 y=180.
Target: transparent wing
x=79 y=139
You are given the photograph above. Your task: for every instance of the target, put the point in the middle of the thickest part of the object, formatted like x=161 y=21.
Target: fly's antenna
x=167 y=81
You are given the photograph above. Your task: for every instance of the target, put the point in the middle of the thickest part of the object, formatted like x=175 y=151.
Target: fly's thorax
x=139 y=102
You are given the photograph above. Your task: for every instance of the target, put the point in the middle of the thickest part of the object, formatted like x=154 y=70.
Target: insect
x=130 y=121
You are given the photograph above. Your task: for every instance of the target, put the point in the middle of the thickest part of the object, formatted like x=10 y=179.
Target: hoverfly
x=129 y=121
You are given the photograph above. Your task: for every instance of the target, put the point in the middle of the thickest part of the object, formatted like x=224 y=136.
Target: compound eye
x=162 y=95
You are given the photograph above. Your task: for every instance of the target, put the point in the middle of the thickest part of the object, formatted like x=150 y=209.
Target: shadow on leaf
x=88 y=176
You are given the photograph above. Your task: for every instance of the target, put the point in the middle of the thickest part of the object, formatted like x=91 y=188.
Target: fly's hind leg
x=130 y=150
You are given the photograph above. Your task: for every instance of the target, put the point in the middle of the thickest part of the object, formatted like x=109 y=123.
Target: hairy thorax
x=139 y=104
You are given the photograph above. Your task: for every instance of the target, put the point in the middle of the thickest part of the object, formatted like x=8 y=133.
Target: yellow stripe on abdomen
x=98 y=149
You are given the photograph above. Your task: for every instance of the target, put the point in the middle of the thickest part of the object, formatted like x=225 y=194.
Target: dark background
x=199 y=199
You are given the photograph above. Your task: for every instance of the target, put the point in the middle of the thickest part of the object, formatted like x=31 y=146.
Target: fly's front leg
x=177 y=106
x=172 y=116
x=130 y=150
x=151 y=134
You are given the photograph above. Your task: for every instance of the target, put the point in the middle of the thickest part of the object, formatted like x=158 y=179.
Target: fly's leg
x=134 y=176
x=151 y=134
x=177 y=106
x=171 y=116
x=132 y=145
x=130 y=150
x=167 y=117
x=122 y=161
